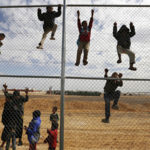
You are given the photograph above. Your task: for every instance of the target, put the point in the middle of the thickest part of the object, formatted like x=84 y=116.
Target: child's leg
x=119 y=51
x=53 y=31
x=86 y=50
x=2 y=144
x=44 y=37
x=79 y=52
x=13 y=141
x=8 y=144
x=32 y=147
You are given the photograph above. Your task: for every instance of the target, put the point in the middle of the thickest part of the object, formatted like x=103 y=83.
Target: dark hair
x=48 y=7
x=36 y=113
x=2 y=34
x=55 y=108
x=84 y=22
x=16 y=93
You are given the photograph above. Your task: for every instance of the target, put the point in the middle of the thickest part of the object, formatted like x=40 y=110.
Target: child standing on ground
x=54 y=116
x=52 y=136
x=123 y=46
x=84 y=38
x=33 y=130
x=49 y=23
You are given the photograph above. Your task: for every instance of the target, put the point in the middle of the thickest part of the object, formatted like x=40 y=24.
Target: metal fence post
x=63 y=77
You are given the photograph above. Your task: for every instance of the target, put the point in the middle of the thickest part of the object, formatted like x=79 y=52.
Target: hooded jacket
x=123 y=35
x=49 y=18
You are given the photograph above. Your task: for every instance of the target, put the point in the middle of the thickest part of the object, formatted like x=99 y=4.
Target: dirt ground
x=129 y=127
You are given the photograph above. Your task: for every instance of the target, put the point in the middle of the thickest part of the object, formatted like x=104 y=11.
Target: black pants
x=108 y=97
x=50 y=148
x=13 y=137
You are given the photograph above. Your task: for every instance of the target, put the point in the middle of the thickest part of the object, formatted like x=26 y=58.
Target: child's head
x=2 y=36
x=49 y=8
x=84 y=24
x=36 y=114
x=54 y=110
x=114 y=75
x=16 y=94
x=124 y=28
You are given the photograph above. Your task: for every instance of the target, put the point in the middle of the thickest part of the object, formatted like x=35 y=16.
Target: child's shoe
x=40 y=46
x=52 y=38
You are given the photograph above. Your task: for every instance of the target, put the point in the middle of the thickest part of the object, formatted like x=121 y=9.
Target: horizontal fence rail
x=71 y=77
x=73 y=5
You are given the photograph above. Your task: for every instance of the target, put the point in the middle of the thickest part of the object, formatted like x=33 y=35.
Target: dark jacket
x=49 y=18
x=111 y=86
x=9 y=115
x=123 y=36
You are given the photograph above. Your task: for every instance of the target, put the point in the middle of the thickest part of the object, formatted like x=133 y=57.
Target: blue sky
x=23 y=32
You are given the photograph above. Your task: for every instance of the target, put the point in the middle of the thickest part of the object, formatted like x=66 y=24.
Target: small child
x=54 y=116
x=49 y=23
x=84 y=38
x=33 y=130
x=52 y=136
x=123 y=46
x=2 y=37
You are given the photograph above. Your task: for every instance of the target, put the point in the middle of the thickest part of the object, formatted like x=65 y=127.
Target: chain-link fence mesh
x=128 y=127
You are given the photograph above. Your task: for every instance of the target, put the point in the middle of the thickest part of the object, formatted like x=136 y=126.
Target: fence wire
x=87 y=124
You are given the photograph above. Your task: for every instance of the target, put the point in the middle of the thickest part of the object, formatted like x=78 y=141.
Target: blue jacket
x=33 y=130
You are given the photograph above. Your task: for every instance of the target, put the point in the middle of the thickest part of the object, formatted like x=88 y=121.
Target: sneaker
x=76 y=64
x=85 y=63
x=20 y=143
x=119 y=61
x=105 y=120
x=132 y=68
x=39 y=47
x=116 y=107
x=52 y=38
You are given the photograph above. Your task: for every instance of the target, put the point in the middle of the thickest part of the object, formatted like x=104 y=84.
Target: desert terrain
x=129 y=127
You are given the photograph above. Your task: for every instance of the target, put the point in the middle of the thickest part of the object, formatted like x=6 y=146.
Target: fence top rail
x=70 y=77
x=73 y=5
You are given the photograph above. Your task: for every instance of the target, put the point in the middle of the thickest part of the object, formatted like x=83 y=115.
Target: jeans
x=108 y=97
x=12 y=135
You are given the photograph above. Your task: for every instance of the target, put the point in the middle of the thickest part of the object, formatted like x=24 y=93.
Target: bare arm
x=78 y=18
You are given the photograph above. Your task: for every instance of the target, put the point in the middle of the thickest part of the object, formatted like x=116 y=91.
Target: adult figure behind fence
x=19 y=101
x=49 y=23
x=9 y=120
x=110 y=93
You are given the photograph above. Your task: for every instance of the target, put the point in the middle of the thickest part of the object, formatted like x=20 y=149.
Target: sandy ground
x=129 y=127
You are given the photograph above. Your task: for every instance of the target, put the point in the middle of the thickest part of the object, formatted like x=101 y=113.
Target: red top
x=84 y=33
x=52 y=138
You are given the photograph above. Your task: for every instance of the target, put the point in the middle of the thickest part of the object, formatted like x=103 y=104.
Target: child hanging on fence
x=2 y=37
x=123 y=46
x=52 y=136
x=33 y=130
x=49 y=23
x=84 y=38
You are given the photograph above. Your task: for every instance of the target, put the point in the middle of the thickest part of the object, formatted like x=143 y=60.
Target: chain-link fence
x=39 y=70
